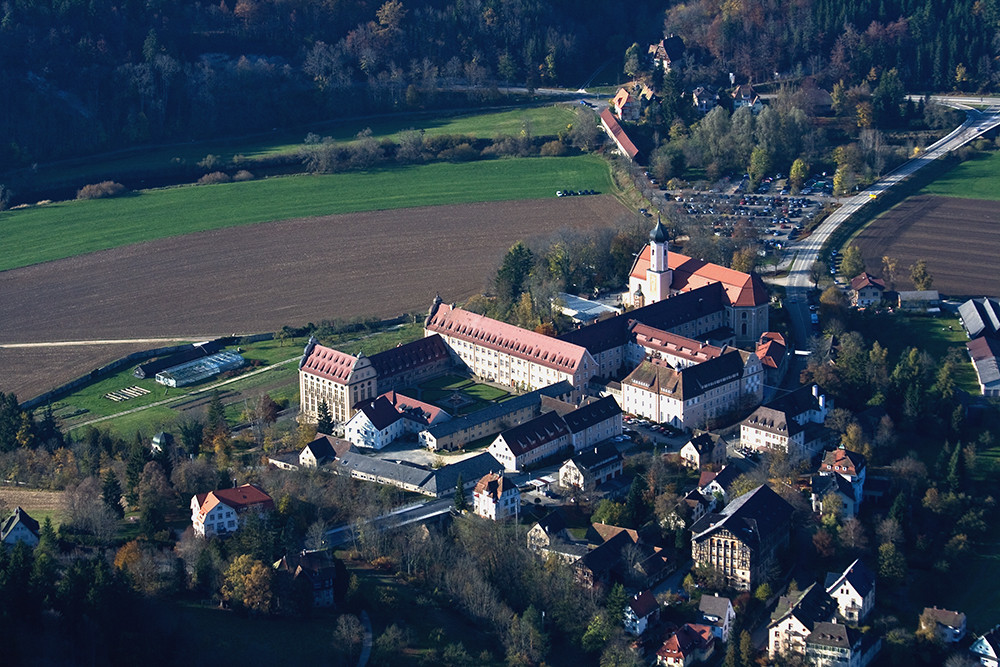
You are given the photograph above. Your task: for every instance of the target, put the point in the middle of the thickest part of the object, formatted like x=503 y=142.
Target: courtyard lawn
x=66 y=229
x=446 y=382
x=485 y=392
x=972 y=179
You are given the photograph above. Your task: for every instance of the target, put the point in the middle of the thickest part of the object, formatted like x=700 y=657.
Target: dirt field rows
x=959 y=238
x=262 y=277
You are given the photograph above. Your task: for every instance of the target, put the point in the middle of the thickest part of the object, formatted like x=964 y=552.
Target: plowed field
x=959 y=238
x=262 y=277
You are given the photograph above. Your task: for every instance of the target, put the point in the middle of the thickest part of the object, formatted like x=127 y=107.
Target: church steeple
x=659 y=277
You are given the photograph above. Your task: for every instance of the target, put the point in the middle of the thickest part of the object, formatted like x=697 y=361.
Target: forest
x=82 y=77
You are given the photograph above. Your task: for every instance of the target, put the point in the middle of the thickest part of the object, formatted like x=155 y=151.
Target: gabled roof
x=985 y=353
x=669 y=48
x=240 y=498
x=380 y=412
x=401 y=472
x=714 y=605
x=811 y=606
x=618 y=134
x=592 y=413
x=980 y=316
x=408 y=356
x=599 y=456
x=552 y=523
x=742 y=289
x=949 y=619
x=833 y=635
x=672 y=344
x=416 y=410
x=444 y=480
x=987 y=645
x=18 y=516
x=643 y=604
x=825 y=484
x=507 y=338
x=327 y=362
x=857 y=575
x=771 y=349
x=778 y=416
x=535 y=433
x=703 y=443
x=677 y=310
x=843 y=460
x=325 y=446
x=689 y=639
x=866 y=280
x=494 y=485
x=690 y=382
x=724 y=477
x=754 y=518
x=622 y=98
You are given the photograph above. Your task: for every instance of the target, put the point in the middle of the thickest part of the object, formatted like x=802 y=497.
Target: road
x=807 y=251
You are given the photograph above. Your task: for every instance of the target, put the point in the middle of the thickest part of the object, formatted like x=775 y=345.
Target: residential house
x=745 y=539
x=866 y=290
x=746 y=96
x=919 y=301
x=792 y=423
x=718 y=613
x=704 y=451
x=853 y=590
x=833 y=645
x=947 y=626
x=641 y=611
x=549 y=529
x=980 y=317
x=986 y=648
x=985 y=354
x=618 y=135
x=376 y=424
x=795 y=618
x=830 y=493
x=223 y=511
x=19 y=527
x=318 y=568
x=691 y=643
x=496 y=497
x=704 y=99
x=323 y=449
x=842 y=472
x=529 y=443
x=625 y=556
x=626 y=105
x=592 y=467
x=666 y=53
x=713 y=485
x=773 y=354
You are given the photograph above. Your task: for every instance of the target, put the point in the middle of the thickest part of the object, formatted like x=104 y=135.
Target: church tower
x=659 y=276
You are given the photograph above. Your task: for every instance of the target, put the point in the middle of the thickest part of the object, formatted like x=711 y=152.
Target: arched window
x=744 y=328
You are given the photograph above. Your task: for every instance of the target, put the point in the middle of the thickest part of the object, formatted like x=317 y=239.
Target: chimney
x=815 y=390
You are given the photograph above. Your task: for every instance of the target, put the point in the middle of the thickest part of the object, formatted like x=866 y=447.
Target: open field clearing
x=67 y=229
x=259 y=278
x=543 y=121
x=38 y=504
x=974 y=179
x=959 y=238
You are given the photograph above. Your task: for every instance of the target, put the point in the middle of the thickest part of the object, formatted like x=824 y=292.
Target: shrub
x=214 y=177
x=460 y=153
x=243 y=175
x=553 y=148
x=101 y=190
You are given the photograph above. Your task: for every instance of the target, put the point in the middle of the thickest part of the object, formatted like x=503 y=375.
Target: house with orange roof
x=626 y=105
x=222 y=511
x=509 y=355
x=657 y=274
x=773 y=354
x=691 y=643
x=614 y=130
x=496 y=497
x=648 y=342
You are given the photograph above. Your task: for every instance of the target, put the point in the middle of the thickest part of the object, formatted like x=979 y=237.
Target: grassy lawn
x=972 y=179
x=446 y=382
x=544 y=121
x=485 y=392
x=67 y=229
x=935 y=335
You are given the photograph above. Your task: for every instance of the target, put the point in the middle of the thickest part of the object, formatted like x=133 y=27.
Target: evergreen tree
x=324 y=423
x=956 y=469
x=216 y=417
x=461 y=504
x=615 y=603
x=111 y=493
x=891 y=564
x=636 y=507
x=747 y=650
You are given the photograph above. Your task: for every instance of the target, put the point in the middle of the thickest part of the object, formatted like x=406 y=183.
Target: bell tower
x=659 y=276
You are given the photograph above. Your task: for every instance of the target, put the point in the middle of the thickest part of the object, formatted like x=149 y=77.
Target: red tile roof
x=771 y=349
x=494 y=485
x=431 y=414
x=643 y=604
x=239 y=498
x=742 y=289
x=329 y=363
x=507 y=338
x=679 y=346
x=866 y=280
x=617 y=133
x=689 y=639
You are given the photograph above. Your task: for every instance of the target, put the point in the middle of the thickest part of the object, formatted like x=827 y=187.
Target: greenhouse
x=200 y=369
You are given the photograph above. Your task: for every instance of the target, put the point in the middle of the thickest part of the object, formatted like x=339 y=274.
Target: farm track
x=261 y=277
x=959 y=239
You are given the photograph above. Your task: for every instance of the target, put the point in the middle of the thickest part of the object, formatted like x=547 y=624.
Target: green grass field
x=543 y=121
x=973 y=179
x=67 y=229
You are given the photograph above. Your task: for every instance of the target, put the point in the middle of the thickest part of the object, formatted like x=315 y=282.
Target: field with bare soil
x=959 y=239
x=38 y=504
x=262 y=277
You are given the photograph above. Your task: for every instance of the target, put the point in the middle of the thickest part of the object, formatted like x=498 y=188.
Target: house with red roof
x=222 y=511
x=657 y=274
x=617 y=133
x=509 y=355
x=691 y=643
x=626 y=105
x=866 y=290
x=496 y=497
x=773 y=354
